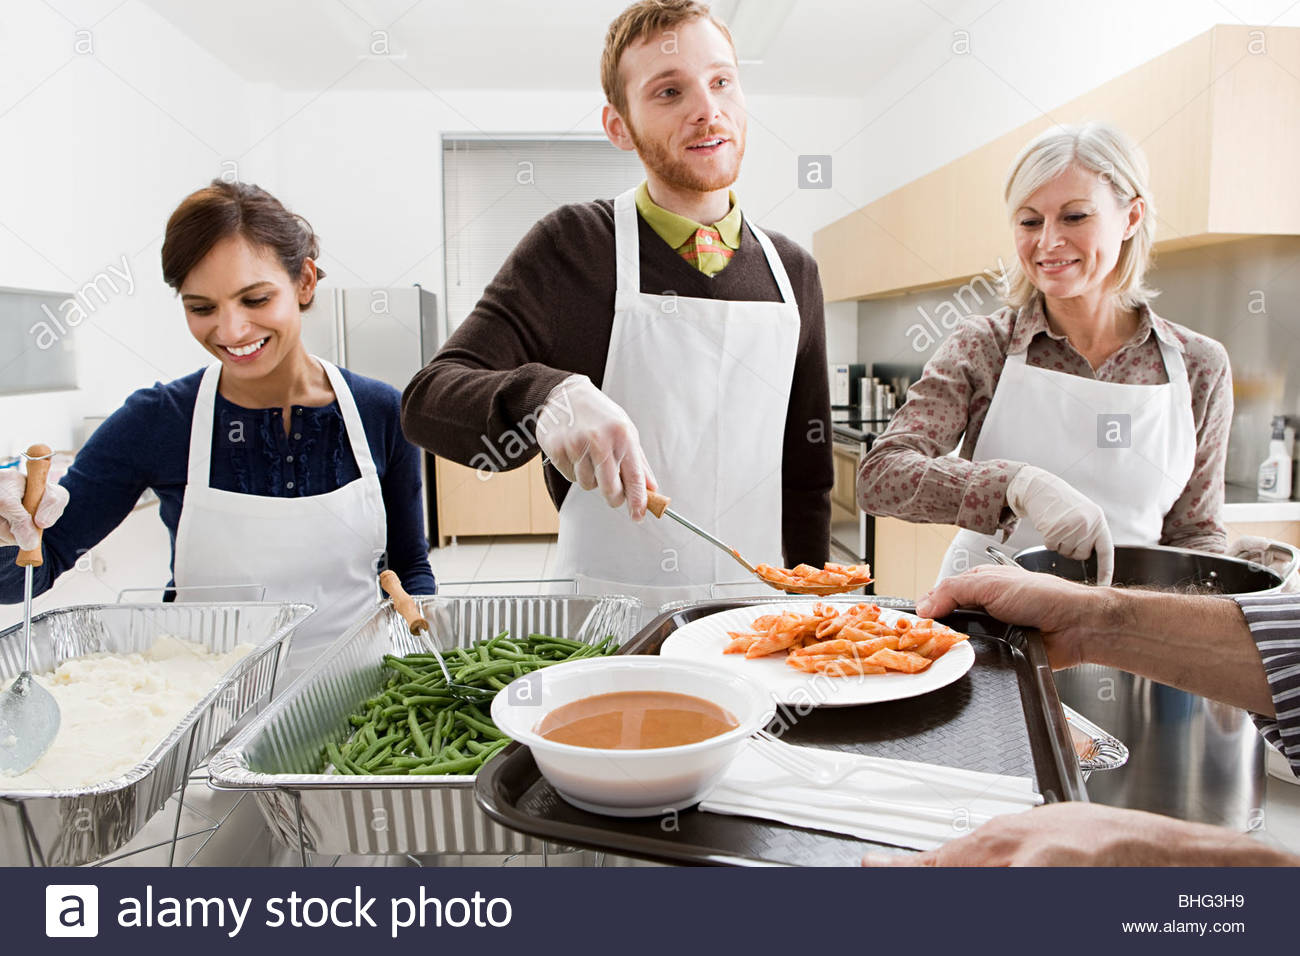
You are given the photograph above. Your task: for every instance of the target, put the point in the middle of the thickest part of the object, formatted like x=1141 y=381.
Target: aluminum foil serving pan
x=76 y=826
x=278 y=755
x=1097 y=749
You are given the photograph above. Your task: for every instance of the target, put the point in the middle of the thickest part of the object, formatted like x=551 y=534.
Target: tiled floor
x=467 y=566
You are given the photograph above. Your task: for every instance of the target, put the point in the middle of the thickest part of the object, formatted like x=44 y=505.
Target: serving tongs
x=29 y=714
x=657 y=505
x=418 y=625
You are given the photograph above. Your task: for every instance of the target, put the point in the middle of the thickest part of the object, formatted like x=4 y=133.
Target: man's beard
x=676 y=172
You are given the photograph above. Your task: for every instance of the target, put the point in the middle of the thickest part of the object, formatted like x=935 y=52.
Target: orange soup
x=636 y=720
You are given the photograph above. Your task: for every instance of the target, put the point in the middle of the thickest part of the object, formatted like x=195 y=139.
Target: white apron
x=707 y=384
x=1051 y=419
x=320 y=550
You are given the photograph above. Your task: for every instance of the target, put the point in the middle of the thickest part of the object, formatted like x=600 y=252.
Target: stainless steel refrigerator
x=384 y=334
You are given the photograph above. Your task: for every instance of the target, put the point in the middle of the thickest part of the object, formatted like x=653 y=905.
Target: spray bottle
x=1275 y=472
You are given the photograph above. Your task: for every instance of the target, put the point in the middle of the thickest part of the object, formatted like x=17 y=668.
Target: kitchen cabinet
x=507 y=502
x=1215 y=117
x=908 y=556
x=843 y=491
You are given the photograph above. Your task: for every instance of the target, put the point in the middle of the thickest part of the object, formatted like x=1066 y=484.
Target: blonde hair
x=1108 y=152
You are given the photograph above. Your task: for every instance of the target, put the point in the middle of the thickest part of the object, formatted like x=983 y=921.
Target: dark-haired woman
x=273 y=468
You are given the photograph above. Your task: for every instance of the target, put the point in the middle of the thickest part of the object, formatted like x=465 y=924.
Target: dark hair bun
x=223 y=209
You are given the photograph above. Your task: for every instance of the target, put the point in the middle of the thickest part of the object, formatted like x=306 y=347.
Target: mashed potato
x=116 y=708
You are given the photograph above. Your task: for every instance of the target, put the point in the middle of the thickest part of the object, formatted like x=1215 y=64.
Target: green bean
x=460 y=765
x=402 y=668
x=341 y=763
x=485 y=728
x=562 y=641
x=366 y=755
x=424 y=700
x=414 y=687
x=417 y=736
x=484 y=671
x=377 y=761
x=494 y=748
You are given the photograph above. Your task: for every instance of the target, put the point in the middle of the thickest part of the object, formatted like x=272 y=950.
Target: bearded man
x=660 y=340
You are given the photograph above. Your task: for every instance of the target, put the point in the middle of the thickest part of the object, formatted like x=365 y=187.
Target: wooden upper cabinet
x=1218 y=118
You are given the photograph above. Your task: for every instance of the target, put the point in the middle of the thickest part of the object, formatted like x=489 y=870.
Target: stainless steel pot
x=1168 y=569
x=1188 y=757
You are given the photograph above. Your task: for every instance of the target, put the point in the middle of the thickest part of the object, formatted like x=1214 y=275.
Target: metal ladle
x=416 y=622
x=29 y=714
x=657 y=505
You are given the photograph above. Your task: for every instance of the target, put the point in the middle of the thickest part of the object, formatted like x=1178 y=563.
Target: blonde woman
x=1088 y=420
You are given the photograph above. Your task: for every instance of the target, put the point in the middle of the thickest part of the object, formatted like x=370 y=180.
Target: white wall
x=116 y=137
x=101 y=146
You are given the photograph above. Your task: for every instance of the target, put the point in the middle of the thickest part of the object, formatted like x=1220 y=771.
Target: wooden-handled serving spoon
x=657 y=505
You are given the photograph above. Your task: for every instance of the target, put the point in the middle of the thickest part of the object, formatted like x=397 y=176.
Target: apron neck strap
x=627 y=243
x=199 y=471
x=1175 y=368
x=775 y=264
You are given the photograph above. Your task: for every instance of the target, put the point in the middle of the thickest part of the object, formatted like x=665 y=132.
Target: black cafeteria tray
x=1002 y=716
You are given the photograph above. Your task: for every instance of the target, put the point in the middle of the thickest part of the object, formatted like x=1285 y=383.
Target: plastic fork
x=788 y=757
x=813 y=772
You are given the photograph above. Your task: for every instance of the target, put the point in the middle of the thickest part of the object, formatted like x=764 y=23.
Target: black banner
x=629 y=910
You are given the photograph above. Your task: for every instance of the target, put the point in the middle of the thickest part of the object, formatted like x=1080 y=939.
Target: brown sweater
x=549 y=313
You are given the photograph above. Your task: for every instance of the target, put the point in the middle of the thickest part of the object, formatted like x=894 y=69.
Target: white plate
x=705 y=639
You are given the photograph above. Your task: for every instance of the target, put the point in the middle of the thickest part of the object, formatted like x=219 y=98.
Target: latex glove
x=1070 y=523
x=1268 y=553
x=590 y=439
x=16 y=525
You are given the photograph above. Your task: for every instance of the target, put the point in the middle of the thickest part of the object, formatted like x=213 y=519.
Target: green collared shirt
x=708 y=248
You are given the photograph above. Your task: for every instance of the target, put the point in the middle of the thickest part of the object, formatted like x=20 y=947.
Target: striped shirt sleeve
x=1274 y=621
